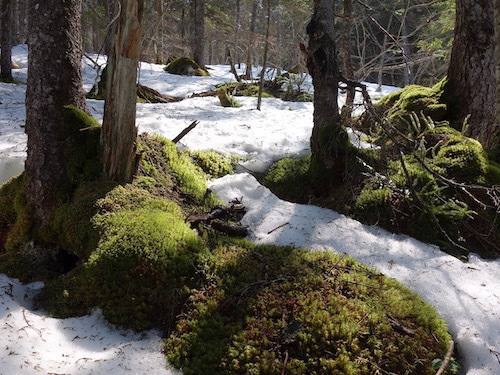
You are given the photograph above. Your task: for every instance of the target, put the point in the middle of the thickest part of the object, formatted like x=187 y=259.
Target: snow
x=467 y=295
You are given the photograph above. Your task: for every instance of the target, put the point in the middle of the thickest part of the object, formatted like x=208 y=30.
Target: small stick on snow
x=185 y=131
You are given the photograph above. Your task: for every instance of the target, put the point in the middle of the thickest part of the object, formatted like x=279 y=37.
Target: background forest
x=387 y=42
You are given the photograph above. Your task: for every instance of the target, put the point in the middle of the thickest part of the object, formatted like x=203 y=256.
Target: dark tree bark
x=471 y=74
x=329 y=141
x=497 y=73
x=54 y=80
x=6 y=54
x=119 y=132
x=198 y=36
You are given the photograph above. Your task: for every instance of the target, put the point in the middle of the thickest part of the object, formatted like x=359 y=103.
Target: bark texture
x=54 y=80
x=119 y=131
x=497 y=71
x=6 y=54
x=329 y=140
x=471 y=75
x=198 y=37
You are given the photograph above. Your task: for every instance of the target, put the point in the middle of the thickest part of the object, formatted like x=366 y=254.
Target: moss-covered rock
x=262 y=309
x=186 y=67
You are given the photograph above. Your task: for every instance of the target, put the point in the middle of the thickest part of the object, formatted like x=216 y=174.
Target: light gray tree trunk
x=119 y=132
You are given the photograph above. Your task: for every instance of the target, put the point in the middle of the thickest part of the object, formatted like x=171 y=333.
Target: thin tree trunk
x=119 y=132
x=471 y=74
x=329 y=141
x=346 y=58
x=251 y=36
x=6 y=54
x=54 y=80
x=264 y=62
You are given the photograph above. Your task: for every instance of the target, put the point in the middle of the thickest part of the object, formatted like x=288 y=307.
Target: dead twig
x=28 y=324
x=447 y=358
x=185 y=131
x=278 y=227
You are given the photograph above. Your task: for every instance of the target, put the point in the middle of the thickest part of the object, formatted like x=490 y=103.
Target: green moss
x=83 y=157
x=72 y=225
x=225 y=99
x=186 y=66
x=493 y=173
x=190 y=179
x=15 y=216
x=289 y=179
x=248 y=317
x=415 y=98
x=374 y=204
x=214 y=164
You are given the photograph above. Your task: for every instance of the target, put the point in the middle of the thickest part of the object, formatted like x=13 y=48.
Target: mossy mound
x=415 y=98
x=214 y=164
x=289 y=179
x=185 y=66
x=246 y=89
x=267 y=310
x=425 y=179
x=226 y=305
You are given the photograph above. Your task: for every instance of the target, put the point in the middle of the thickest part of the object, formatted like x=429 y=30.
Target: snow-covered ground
x=466 y=294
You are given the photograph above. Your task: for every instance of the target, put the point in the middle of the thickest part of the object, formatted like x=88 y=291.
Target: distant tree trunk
x=54 y=80
x=6 y=54
x=329 y=141
x=251 y=36
x=264 y=61
x=471 y=74
x=159 y=48
x=346 y=57
x=198 y=37
x=237 y=32
x=19 y=9
x=119 y=132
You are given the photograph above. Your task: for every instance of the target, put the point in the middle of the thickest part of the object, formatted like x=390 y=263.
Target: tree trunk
x=495 y=145
x=471 y=74
x=6 y=54
x=54 y=80
x=264 y=60
x=329 y=141
x=346 y=58
x=119 y=132
x=251 y=36
x=198 y=37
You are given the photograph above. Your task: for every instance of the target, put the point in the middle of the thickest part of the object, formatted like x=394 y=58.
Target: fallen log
x=215 y=220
